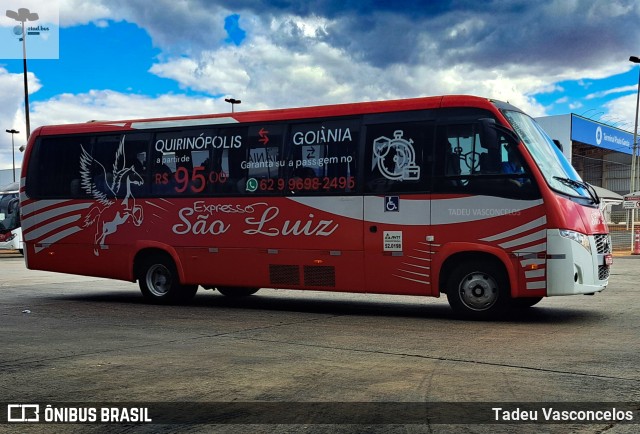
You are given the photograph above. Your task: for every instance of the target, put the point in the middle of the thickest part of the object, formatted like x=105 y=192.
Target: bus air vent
x=603 y=243
x=319 y=275
x=603 y=272
x=284 y=274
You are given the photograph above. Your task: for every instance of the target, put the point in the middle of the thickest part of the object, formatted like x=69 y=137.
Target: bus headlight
x=579 y=238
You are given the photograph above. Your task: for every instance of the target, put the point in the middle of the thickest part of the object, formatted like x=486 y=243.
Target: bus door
x=397 y=207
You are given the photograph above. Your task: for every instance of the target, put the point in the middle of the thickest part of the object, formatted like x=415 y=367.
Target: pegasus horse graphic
x=109 y=213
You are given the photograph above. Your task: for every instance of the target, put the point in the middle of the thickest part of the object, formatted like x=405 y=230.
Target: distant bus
x=10 y=231
x=459 y=195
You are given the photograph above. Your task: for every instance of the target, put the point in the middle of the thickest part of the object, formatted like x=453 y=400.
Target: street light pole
x=13 y=151
x=26 y=83
x=634 y=165
x=233 y=102
x=23 y=15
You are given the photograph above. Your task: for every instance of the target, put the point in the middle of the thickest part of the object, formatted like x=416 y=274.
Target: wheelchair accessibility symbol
x=391 y=203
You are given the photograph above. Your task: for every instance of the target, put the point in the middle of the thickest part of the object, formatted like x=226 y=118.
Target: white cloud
x=110 y=105
x=76 y=12
x=215 y=72
x=267 y=74
x=622 y=109
x=624 y=89
x=292 y=57
x=94 y=105
x=575 y=105
x=12 y=113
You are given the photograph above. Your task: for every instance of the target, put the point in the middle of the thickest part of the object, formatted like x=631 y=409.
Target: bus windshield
x=558 y=172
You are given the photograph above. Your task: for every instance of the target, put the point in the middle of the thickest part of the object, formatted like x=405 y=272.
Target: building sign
x=631 y=201
x=599 y=135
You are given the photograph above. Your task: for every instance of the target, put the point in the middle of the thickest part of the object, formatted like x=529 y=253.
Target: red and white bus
x=454 y=194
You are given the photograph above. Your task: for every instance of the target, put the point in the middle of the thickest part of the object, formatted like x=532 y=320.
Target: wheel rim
x=158 y=280
x=478 y=291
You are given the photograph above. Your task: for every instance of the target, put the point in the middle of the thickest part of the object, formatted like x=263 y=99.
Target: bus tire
x=236 y=292
x=478 y=290
x=160 y=283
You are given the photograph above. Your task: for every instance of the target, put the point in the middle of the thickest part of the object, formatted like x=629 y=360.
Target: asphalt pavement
x=312 y=362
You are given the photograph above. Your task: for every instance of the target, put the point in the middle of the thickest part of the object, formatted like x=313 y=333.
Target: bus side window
x=254 y=161
x=55 y=169
x=452 y=162
x=489 y=164
x=399 y=157
x=179 y=162
x=121 y=158
x=458 y=157
x=322 y=157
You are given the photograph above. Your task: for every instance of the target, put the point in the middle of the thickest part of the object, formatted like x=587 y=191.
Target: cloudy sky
x=136 y=58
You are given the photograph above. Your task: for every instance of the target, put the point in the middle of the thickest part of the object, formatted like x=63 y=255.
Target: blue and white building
x=601 y=154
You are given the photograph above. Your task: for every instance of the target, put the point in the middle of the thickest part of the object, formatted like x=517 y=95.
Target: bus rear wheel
x=159 y=281
x=232 y=291
x=478 y=290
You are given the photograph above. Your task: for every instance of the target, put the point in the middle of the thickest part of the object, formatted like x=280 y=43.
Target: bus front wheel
x=478 y=290
x=159 y=281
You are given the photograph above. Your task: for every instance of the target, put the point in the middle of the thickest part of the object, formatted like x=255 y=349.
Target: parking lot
x=84 y=340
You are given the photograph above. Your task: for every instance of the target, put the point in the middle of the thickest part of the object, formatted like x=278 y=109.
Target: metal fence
x=610 y=170
x=621 y=241
x=606 y=169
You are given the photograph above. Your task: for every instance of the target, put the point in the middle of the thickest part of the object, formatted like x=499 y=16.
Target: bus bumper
x=577 y=263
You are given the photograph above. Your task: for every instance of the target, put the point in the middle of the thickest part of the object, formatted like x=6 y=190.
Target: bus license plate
x=608 y=259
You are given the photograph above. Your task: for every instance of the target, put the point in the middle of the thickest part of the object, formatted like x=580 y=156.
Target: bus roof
x=275 y=115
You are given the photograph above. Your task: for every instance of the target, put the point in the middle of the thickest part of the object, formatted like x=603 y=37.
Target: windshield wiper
x=580 y=184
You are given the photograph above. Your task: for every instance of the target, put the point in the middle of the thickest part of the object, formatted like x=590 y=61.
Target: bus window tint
x=465 y=143
x=119 y=164
x=471 y=163
x=54 y=171
x=224 y=169
x=256 y=169
x=399 y=157
x=172 y=163
x=264 y=149
x=322 y=157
